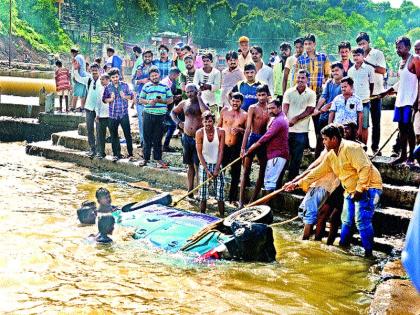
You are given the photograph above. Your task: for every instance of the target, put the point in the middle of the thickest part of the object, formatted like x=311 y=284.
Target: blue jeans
x=362 y=212
x=140 y=109
x=297 y=144
x=375 y=114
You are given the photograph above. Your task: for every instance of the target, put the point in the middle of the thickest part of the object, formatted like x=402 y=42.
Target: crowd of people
x=262 y=115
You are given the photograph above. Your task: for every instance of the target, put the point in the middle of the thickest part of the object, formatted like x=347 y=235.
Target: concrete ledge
x=25 y=129
x=395 y=295
x=17 y=110
x=68 y=121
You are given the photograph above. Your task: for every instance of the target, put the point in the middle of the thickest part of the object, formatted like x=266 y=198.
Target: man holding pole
x=210 y=141
x=276 y=142
x=360 y=179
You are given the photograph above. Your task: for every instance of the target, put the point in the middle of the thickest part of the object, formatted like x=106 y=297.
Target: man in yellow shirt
x=360 y=179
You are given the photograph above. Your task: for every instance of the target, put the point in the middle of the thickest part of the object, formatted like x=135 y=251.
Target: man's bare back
x=233 y=123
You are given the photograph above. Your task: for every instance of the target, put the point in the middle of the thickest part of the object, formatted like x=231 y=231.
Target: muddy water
x=46 y=267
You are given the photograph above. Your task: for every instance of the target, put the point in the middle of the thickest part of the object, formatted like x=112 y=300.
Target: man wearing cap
x=155 y=96
x=245 y=55
x=163 y=64
x=79 y=79
x=114 y=61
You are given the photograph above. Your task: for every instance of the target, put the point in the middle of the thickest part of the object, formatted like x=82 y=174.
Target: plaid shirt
x=119 y=107
x=163 y=67
x=319 y=70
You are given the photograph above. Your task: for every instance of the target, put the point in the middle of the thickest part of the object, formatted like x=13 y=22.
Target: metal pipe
x=10 y=33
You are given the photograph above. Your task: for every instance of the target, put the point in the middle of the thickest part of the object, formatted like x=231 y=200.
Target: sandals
x=162 y=165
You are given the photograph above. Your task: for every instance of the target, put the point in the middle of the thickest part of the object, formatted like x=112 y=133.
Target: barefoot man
x=192 y=108
x=233 y=122
x=256 y=126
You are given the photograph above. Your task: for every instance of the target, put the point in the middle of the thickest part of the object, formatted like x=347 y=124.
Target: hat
x=179 y=45
x=74 y=49
x=243 y=39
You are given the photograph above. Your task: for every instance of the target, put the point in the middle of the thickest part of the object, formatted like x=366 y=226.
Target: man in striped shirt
x=155 y=96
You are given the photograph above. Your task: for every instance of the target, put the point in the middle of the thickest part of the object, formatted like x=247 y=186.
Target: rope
x=284 y=222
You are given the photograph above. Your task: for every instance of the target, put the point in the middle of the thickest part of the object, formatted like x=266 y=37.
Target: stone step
x=394 y=220
x=175 y=141
x=394 y=174
x=401 y=196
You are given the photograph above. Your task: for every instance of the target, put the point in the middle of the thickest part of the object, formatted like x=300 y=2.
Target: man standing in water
x=210 y=143
x=192 y=108
x=233 y=122
x=256 y=126
x=360 y=179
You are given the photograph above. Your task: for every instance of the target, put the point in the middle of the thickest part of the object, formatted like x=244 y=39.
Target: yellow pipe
x=25 y=86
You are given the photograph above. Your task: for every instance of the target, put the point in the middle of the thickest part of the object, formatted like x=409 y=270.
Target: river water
x=47 y=267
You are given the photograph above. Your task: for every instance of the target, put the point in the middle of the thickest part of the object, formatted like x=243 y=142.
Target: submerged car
x=244 y=235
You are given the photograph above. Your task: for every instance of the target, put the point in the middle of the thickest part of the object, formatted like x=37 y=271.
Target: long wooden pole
x=206 y=181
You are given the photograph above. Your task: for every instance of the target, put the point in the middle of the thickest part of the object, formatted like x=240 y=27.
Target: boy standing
x=62 y=84
x=210 y=142
x=362 y=75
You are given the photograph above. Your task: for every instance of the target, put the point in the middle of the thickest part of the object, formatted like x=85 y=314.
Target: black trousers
x=101 y=135
x=230 y=154
x=90 y=126
x=115 y=140
x=153 y=130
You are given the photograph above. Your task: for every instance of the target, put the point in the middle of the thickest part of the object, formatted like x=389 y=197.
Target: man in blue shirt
x=331 y=90
x=163 y=64
x=248 y=87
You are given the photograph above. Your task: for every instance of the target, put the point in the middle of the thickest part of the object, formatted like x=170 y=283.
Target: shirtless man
x=256 y=126
x=192 y=108
x=233 y=122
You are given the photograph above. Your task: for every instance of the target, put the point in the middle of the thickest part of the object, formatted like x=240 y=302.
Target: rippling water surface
x=47 y=267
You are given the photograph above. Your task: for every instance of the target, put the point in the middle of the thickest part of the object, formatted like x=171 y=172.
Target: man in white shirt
x=298 y=105
x=230 y=76
x=208 y=79
x=362 y=75
x=289 y=67
x=264 y=72
x=376 y=59
x=102 y=118
x=93 y=95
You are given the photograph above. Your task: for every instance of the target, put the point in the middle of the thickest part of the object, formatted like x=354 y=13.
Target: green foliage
x=217 y=23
